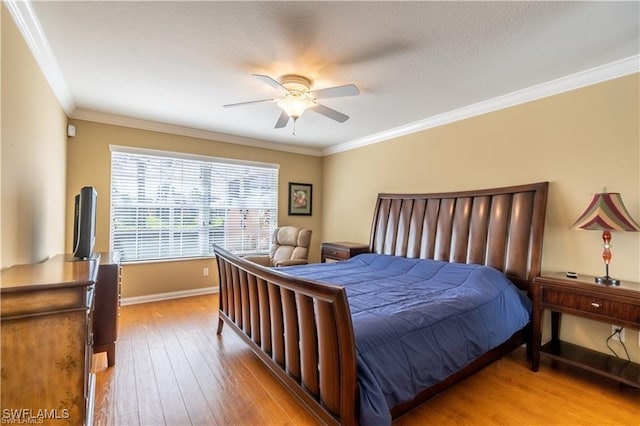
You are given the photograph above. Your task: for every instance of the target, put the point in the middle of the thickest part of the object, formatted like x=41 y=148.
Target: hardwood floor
x=172 y=369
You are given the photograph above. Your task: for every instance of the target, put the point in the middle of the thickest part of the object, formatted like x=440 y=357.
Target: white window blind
x=166 y=205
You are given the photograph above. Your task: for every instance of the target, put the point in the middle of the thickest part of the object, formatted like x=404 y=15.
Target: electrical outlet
x=618 y=336
x=205 y=272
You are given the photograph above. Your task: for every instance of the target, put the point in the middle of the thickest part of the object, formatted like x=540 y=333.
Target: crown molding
x=135 y=123
x=588 y=77
x=28 y=24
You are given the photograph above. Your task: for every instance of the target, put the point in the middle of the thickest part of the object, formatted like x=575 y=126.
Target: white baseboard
x=166 y=296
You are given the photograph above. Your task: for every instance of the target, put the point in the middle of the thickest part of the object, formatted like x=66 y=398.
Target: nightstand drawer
x=337 y=252
x=591 y=304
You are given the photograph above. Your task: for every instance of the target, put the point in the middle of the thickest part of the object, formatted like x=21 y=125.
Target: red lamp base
x=606 y=256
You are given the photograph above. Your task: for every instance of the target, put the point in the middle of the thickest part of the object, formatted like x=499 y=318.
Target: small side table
x=342 y=250
x=585 y=298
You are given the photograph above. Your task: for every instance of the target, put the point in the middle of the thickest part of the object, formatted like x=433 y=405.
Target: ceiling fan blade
x=271 y=82
x=331 y=113
x=282 y=120
x=335 y=92
x=248 y=103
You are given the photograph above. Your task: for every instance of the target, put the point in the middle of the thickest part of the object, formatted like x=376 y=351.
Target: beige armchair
x=289 y=246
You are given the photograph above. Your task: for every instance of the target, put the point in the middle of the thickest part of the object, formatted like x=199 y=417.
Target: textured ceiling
x=177 y=63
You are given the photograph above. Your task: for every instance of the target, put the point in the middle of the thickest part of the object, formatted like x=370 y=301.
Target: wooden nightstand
x=342 y=250
x=584 y=298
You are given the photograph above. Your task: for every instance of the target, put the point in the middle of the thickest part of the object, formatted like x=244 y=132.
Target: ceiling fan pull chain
x=294 y=126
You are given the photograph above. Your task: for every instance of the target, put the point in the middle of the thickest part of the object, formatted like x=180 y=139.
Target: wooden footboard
x=300 y=329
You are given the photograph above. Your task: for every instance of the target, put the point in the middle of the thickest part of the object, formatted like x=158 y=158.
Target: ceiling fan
x=297 y=97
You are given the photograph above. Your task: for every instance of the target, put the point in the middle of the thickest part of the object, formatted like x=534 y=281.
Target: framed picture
x=300 y=199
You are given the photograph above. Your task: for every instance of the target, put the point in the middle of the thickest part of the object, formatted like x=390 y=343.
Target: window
x=169 y=205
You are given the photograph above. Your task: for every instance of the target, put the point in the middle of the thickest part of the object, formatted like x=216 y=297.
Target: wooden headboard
x=501 y=227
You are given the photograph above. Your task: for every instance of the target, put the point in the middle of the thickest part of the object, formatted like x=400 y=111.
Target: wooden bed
x=302 y=330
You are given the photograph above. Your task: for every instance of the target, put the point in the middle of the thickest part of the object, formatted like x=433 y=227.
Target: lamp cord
x=618 y=331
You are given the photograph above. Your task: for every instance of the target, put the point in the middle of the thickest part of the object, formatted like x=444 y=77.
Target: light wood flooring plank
x=124 y=388
x=149 y=405
x=105 y=396
x=171 y=399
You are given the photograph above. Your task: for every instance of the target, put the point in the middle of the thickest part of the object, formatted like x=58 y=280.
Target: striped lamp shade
x=606 y=212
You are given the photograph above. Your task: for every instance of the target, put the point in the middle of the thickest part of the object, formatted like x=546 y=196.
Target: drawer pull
x=334 y=253
x=595 y=305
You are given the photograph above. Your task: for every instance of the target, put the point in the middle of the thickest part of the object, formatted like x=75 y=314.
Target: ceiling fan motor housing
x=296 y=83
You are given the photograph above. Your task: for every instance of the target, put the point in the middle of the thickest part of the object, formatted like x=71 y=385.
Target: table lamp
x=606 y=212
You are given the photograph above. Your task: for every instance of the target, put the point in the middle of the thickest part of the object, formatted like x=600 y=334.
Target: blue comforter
x=418 y=321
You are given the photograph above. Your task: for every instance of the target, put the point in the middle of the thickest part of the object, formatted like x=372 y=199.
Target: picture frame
x=300 y=198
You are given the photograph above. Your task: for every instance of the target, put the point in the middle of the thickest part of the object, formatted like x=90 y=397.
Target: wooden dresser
x=46 y=326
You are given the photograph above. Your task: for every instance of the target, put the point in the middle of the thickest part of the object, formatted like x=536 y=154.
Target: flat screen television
x=84 y=222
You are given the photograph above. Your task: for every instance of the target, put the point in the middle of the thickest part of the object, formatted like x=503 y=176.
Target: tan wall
x=580 y=141
x=89 y=163
x=33 y=156
x=2 y=12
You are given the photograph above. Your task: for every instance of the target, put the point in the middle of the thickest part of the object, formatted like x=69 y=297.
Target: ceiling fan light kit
x=298 y=97
x=294 y=105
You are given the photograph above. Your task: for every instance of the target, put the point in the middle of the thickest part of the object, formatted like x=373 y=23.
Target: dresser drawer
x=591 y=305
